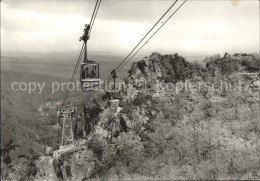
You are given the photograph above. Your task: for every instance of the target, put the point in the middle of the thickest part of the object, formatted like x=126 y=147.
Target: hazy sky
x=199 y=28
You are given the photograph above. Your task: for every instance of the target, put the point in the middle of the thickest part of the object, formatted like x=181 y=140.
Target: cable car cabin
x=113 y=98
x=89 y=76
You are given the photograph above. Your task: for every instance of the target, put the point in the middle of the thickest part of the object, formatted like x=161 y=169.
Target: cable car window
x=89 y=71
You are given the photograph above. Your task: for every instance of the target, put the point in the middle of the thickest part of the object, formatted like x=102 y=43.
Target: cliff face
x=174 y=68
x=169 y=68
x=76 y=164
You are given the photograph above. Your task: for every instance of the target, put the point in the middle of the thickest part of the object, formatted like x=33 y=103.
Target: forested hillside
x=178 y=120
x=199 y=133
x=20 y=116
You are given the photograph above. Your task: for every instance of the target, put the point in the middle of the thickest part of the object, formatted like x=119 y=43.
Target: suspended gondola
x=113 y=98
x=89 y=78
x=113 y=93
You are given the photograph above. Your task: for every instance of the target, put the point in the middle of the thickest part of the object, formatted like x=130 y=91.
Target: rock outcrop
x=75 y=164
x=146 y=73
x=46 y=169
x=166 y=68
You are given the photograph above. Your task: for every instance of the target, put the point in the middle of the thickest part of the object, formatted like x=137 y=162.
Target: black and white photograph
x=130 y=90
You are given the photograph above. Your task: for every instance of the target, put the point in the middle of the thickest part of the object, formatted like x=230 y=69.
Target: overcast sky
x=198 y=28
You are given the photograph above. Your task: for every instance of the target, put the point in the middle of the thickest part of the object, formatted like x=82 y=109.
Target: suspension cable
x=152 y=35
x=93 y=13
x=146 y=34
x=95 y=16
x=117 y=69
x=74 y=73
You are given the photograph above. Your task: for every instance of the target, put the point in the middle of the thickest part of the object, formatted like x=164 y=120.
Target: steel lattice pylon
x=67 y=133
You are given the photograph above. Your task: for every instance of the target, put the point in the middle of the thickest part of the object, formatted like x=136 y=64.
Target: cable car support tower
x=67 y=132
